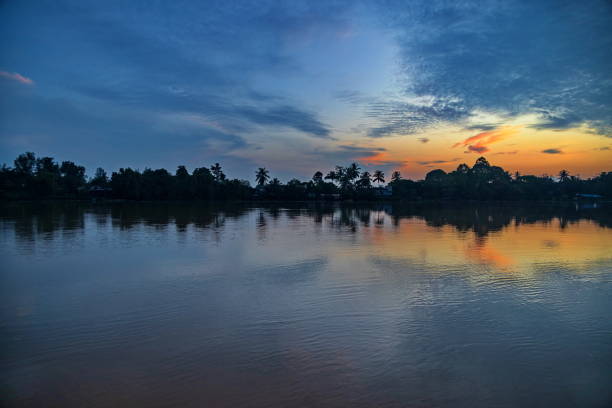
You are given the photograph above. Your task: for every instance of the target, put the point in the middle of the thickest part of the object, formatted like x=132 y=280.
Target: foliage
x=43 y=178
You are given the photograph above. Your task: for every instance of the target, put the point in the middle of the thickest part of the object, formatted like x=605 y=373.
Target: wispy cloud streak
x=14 y=76
x=480 y=142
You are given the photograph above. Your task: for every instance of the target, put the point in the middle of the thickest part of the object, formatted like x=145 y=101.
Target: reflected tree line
x=43 y=178
x=31 y=221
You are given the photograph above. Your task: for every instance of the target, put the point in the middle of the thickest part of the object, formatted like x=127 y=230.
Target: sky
x=300 y=86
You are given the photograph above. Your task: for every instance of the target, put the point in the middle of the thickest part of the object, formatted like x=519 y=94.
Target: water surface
x=159 y=305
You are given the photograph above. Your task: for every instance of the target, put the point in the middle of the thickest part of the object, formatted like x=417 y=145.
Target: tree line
x=43 y=178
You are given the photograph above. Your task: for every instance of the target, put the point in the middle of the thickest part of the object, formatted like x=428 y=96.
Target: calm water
x=159 y=305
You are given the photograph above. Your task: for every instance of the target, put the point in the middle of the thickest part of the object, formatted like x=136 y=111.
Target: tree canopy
x=44 y=178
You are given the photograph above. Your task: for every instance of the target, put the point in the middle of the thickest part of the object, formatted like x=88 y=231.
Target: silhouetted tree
x=217 y=172
x=435 y=176
x=364 y=180
x=463 y=169
x=24 y=163
x=35 y=178
x=261 y=176
x=352 y=172
x=181 y=172
x=72 y=177
x=378 y=177
x=332 y=176
x=100 y=178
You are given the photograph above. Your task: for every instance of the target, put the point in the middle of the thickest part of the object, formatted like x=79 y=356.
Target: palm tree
x=261 y=176
x=340 y=173
x=396 y=176
x=332 y=176
x=352 y=172
x=364 y=180
x=379 y=177
x=317 y=177
x=216 y=171
x=564 y=175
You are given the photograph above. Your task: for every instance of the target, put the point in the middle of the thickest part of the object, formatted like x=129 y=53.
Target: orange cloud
x=16 y=77
x=379 y=158
x=480 y=142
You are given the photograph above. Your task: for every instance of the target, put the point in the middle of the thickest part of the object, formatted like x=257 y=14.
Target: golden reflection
x=485 y=254
x=514 y=247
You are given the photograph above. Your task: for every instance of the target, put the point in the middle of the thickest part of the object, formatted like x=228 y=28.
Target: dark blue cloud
x=399 y=117
x=558 y=121
x=432 y=162
x=363 y=151
x=552 y=151
x=515 y=57
x=97 y=135
x=109 y=76
x=286 y=116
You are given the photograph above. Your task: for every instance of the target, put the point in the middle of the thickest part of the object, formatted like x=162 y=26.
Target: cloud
x=241 y=71
x=16 y=77
x=423 y=139
x=200 y=59
x=287 y=116
x=552 y=151
x=403 y=115
x=361 y=149
x=430 y=162
x=380 y=158
x=480 y=142
x=482 y=127
x=514 y=58
x=511 y=152
x=404 y=118
x=558 y=121
x=111 y=138
x=603 y=148
x=478 y=149
x=227 y=113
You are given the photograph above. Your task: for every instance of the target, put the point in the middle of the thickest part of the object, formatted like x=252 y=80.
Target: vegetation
x=43 y=178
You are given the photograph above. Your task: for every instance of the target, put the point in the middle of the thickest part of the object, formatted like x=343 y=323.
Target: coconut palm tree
x=364 y=180
x=396 y=176
x=332 y=176
x=564 y=175
x=378 y=177
x=261 y=176
x=352 y=172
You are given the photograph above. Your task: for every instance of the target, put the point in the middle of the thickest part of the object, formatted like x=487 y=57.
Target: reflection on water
x=321 y=305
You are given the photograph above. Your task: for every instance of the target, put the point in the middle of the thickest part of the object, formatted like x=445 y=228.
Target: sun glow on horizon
x=515 y=147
